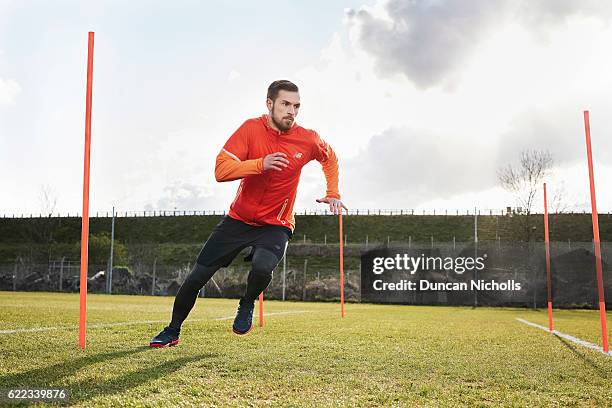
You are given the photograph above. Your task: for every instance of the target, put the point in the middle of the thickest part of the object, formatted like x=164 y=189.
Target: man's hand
x=335 y=205
x=275 y=161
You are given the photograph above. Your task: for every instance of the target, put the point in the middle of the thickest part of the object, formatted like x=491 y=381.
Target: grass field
x=304 y=356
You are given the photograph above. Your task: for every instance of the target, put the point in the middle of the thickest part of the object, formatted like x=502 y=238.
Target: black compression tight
x=259 y=278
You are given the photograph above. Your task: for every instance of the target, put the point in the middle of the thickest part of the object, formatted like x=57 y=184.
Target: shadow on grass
x=86 y=389
x=584 y=357
x=49 y=375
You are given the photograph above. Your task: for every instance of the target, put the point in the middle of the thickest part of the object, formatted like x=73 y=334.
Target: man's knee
x=264 y=262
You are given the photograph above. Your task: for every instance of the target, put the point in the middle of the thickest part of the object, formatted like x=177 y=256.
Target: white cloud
x=9 y=89
x=522 y=82
x=402 y=146
x=233 y=75
x=185 y=196
x=430 y=41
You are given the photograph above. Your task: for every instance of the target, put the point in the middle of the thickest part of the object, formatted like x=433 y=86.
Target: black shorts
x=231 y=236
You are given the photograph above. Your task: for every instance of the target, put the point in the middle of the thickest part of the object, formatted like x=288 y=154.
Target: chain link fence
x=308 y=211
x=311 y=272
x=518 y=270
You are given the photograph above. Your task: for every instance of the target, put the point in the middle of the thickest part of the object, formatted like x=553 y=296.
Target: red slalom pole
x=548 y=279
x=261 y=319
x=594 y=215
x=341 y=267
x=85 y=218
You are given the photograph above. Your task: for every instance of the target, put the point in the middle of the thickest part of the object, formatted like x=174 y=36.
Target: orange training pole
x=341 y=268
x=548 y=279
x=261 y=319
x=85 y=218
x=594 y=215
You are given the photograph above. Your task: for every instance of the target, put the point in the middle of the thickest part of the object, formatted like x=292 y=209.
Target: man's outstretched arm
x=327 y=157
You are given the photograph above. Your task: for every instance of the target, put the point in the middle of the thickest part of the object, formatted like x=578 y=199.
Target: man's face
x=284 y=109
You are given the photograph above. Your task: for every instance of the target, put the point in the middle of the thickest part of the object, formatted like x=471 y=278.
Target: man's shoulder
x=310 y=133
x=253 y=122
x=250 y=127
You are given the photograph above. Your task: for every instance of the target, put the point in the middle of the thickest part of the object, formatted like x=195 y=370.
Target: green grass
x=379 y=355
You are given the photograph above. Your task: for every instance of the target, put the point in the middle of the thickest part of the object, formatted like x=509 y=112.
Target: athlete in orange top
x=267 y=154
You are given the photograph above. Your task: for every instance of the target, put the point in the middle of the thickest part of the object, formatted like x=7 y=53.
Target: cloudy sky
x=422 y=100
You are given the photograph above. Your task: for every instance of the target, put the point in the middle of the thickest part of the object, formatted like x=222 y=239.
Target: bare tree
x=525 y=180
x=559 y=204
x=48 y=200
x=41 y=230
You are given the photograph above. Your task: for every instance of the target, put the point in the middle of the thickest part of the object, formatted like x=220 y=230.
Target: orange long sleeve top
x=267 y=197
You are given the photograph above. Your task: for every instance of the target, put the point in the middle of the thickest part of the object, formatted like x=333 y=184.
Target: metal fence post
x=61 y=277
x=304 y=283
x=284 y=272
x=154 y=271
x=15 y=276
x=110 y=269
x=475 y=253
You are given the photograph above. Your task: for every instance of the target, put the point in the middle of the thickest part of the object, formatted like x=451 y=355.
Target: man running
x=267 y=154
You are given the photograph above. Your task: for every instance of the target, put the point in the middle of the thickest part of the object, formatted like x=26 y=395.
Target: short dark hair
x=282 y=84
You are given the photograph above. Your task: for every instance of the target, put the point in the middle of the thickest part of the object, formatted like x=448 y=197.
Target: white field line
x=99 y=325
x=573 y=339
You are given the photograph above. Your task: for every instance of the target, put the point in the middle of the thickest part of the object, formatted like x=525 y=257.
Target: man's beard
x=280 y=125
